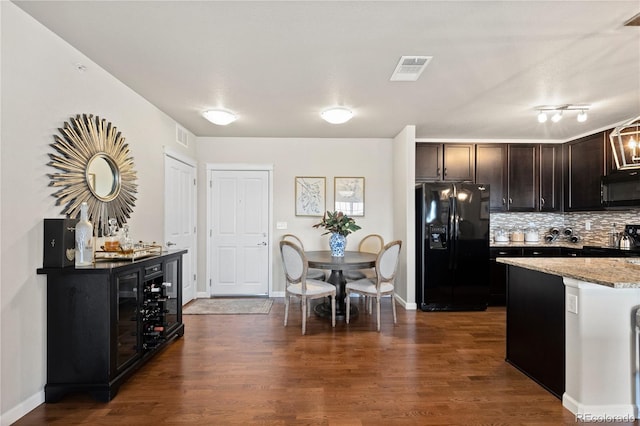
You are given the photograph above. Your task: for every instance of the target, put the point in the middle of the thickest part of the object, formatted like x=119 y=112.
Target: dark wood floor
x=430 y=369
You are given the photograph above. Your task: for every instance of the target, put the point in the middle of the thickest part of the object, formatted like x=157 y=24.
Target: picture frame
x=348 y=195
x=310 y=195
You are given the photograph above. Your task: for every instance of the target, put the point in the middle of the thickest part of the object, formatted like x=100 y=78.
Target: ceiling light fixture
x=582 y=116
x=559 y=110
x=336 y=115
x=542 y=117
x=624 y=144
x=220 y=117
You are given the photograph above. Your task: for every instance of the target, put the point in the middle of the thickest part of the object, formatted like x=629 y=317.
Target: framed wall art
x=310 y=196
x=349 y=195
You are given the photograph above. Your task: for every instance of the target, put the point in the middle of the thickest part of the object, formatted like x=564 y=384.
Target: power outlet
x=572 y=303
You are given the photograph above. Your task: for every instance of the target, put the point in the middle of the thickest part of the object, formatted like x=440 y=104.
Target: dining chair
x=314 y=274
x=383 y=283
x=298 y=284
x=371 y=243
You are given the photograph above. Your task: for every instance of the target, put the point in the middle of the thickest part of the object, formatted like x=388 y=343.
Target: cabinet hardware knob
x=510 y=200
x=541 y=201
x=169 y=244
x=504 y=201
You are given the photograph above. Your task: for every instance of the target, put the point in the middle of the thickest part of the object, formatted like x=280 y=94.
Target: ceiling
x=278 y=64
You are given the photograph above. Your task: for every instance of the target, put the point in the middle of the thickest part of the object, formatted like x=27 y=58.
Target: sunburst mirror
x=96 y=167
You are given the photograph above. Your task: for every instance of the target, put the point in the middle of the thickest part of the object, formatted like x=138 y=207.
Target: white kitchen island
x=602 y=297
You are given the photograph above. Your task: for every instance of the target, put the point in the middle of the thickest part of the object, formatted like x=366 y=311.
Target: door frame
x=211 y=167
x=168 y=152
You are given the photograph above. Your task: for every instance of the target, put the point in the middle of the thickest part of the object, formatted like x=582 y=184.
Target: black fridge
x=452 y=246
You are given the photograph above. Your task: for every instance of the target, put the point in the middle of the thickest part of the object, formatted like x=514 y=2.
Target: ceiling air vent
x=633 y=22
x=409 y=68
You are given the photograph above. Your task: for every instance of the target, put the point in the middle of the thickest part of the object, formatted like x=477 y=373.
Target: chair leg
x=393 y=308
x=304 y=315
x=333 y=311
x=347 y=298
x=378 y=310
x=286 y=308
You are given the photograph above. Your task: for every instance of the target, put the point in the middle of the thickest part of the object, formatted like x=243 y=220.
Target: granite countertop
x=612 y=272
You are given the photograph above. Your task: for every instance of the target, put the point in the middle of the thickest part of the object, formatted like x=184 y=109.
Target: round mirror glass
x=103 y=177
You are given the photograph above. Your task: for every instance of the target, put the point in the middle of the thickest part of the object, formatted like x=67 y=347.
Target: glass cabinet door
x=127 y=346
x=172 y=288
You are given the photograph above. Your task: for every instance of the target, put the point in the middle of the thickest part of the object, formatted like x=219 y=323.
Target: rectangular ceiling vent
x=633 y=22
x=409 y=68
x=182 y=136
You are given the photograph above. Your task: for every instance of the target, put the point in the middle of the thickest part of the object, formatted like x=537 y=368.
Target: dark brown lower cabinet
x=105 y=321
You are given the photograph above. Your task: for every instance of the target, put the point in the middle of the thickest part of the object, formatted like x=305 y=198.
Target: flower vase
x=337 y=243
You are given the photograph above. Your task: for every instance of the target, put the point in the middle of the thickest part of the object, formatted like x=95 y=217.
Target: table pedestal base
x=323 y=310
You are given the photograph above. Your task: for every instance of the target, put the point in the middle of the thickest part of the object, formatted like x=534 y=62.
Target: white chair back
x=294 y=263
x=387 y=262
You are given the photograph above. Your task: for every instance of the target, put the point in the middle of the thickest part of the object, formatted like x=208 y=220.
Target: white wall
x=404 y=151
x=40 y=90
x=291 y=157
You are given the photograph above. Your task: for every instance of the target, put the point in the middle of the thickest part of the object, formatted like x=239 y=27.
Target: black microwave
x=621 y=189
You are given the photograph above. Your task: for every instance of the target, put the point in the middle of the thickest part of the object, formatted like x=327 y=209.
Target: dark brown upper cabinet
x=550 y=178
x=491 y=169
x=445 y=162
x=522 y=177
x=522 y=183
x=586 y=163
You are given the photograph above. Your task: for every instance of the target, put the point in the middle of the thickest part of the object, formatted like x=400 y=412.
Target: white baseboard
x=20 y=410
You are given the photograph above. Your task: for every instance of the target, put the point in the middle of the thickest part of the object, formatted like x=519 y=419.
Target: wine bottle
x=84 y=238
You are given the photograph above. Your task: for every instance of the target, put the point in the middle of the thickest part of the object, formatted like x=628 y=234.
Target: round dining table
x=322 y=259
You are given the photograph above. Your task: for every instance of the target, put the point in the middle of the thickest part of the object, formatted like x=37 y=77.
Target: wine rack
x=153 y=313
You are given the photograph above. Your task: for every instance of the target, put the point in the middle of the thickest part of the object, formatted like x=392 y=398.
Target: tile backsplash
x=600 y=223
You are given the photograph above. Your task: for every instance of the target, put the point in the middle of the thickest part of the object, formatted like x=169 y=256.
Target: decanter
x=126 y=243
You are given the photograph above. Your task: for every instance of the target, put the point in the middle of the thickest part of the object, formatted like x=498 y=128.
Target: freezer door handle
x=453 y=231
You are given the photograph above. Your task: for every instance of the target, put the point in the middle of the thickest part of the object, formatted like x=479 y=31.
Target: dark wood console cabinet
x=105 y=321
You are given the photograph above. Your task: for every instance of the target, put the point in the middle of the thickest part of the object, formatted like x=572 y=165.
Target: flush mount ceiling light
x=220 y=117
x=559 y=110
x=336 y=115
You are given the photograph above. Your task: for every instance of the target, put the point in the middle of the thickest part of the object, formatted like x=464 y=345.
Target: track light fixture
x=557 y=116
x=557 y=112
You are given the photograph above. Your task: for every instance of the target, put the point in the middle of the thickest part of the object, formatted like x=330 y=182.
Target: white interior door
x=239 y=232
x=180 y=218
